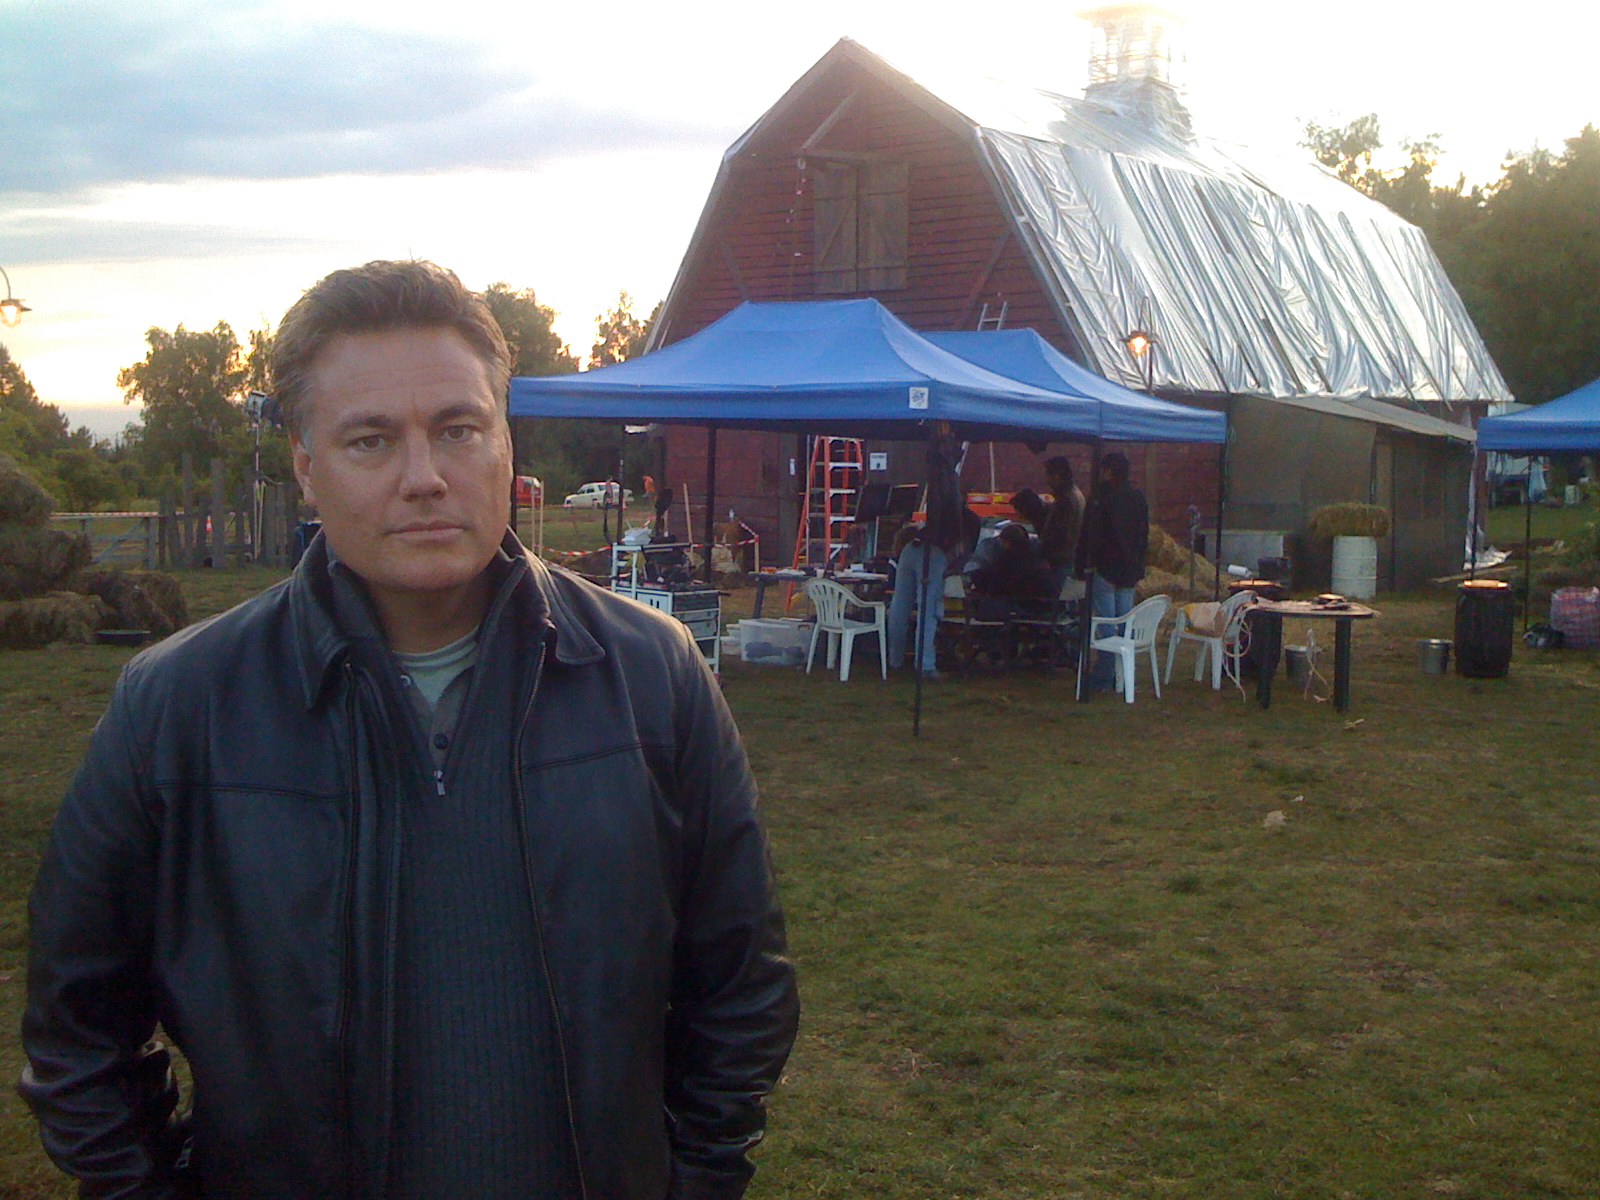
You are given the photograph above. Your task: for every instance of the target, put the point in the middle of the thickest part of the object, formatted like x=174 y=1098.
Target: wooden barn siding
x=758 y=246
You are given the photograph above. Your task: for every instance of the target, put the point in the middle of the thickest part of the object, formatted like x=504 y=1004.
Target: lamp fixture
x=11 y=308
x=1141 y=343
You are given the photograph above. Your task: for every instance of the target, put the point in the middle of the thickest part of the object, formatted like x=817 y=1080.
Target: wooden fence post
x=190 y=557
x=271 y=525
x=170 y=549
x=219 y=517
x=152 y=538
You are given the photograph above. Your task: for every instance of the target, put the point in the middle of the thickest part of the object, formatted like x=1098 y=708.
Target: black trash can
x=1485 y=614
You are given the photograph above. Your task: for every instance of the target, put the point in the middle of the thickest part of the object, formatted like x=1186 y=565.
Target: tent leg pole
x=1086 y=615
x=1222 y=500
x=921 y=594
x=711 y=496
x=1527 y=547
x=1472 y=518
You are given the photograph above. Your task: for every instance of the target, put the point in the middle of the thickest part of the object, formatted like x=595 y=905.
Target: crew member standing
x=1114 y=546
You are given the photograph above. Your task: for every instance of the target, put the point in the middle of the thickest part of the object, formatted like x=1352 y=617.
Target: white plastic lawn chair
x=1139 y=633
x=834 y=602
x=1223 y=650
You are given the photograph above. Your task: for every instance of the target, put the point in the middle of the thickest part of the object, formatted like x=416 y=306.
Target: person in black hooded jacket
x=1114 y=545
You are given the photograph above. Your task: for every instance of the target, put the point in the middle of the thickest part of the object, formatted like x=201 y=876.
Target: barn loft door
x=861 y=226
x=835 y=193
x=881 y=226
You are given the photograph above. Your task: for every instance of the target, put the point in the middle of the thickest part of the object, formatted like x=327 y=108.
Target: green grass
x=1053 y=950
x=1506 y=525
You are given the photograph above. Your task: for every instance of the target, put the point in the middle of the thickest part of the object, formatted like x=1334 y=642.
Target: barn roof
x=1258 y=275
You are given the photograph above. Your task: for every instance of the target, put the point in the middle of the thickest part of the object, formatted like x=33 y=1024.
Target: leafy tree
x=536 y=348
x=191 y=384
x=619 y=334
x=256 y=363
x=1524 y=253
x=563 y=452
x=33 y=426
x=88 y=480
x=1408 y=190
x=1346 y=150
x=1527 y=269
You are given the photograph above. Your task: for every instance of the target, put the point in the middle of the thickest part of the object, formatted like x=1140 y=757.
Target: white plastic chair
x=1139 y=633
x=833 y=603
x=1222 y=649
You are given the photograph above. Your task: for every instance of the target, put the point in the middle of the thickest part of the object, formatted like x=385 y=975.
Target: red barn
x=1317 y=319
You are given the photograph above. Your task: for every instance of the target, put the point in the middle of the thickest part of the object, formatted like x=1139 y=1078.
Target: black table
x=1266 y=621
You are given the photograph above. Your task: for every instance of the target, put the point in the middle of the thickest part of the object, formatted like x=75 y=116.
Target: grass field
x=1061 y=950
x=1507 y=525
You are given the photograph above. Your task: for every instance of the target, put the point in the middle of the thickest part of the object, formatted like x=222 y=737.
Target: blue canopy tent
x=1109 y=411
x=1569 y=424
x=852 y=368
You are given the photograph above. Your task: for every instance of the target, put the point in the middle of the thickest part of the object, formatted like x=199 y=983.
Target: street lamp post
x=12 y=307
x=1142 y=344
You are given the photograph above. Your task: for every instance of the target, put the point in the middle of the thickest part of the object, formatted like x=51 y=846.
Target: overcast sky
x=172 y=161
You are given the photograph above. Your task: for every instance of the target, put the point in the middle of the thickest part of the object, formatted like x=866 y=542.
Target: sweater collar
x=331 y=612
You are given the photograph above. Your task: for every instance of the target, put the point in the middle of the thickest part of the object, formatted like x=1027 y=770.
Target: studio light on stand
x=12 y=307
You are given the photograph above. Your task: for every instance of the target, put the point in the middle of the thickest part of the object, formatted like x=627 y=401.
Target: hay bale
x=22 y=501
x=12 y=583
x=167 y=594
x=40 y=559
x=1157 y=582
x=138 y=599
x=56 y=617
x=1169 y=554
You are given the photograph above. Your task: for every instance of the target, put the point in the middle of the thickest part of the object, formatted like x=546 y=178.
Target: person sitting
x=1012 y=577
x=1059 y=523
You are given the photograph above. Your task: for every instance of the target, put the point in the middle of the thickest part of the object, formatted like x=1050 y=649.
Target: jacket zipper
x=538 y=922
x=347 y=978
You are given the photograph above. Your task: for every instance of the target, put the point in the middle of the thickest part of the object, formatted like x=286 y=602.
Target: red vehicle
x=528 y=491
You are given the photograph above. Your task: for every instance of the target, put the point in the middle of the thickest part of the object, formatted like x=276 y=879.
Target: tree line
x=192 y=386
x=1524 y=252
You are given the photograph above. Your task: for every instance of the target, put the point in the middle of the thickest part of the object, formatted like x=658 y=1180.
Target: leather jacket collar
x=321 y=644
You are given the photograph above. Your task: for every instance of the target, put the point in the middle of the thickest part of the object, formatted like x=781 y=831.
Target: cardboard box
x=778 y=643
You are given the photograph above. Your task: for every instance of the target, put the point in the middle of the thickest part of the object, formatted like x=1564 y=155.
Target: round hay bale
x=166 y=593
x=41 y=559
x=11 y=583
x=56 y=617
x=22 y=501
x=138 y=599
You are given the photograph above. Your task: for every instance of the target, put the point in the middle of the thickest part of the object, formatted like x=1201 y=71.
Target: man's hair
x=1117 y=464
x=377 y=298
x=1029 y=507
x=1058 y=467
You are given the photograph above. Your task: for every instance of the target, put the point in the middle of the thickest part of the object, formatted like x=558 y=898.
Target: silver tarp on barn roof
x=1259 y=275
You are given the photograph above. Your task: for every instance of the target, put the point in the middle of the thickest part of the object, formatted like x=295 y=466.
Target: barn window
x=860 y=225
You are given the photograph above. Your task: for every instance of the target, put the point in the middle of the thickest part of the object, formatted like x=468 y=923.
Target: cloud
x=101 y=91
x=42 y=241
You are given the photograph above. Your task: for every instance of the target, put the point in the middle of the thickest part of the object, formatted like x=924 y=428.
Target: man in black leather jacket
x=442 y=867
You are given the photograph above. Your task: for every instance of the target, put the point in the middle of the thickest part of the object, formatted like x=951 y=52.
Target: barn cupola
x=1135 y=65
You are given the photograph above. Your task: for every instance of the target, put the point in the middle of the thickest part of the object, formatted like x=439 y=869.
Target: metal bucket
x=1297 y=663
x=1434 y=655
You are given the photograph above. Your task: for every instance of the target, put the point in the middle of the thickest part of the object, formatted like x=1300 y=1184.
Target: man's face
x=405 y=452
